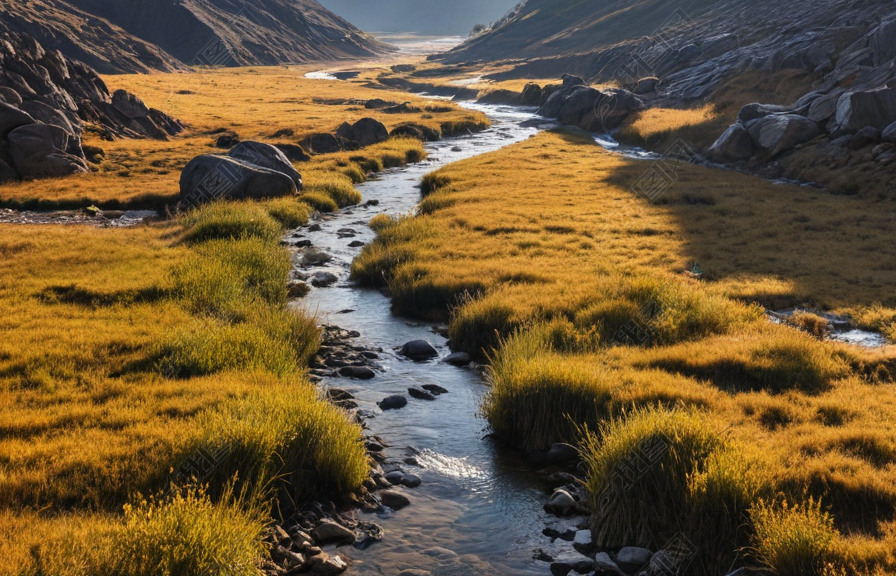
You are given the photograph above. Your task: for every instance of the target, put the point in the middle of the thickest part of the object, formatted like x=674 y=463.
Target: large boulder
x=532 y=95
x=364 y=132
x=858 y=109
x=779 y=132
x=322 y=143
x=266 y=156
x=11 y=118
x=49 y=115
x=735 y=144
x=129 y=104
x=208 y=178
x=41 y=151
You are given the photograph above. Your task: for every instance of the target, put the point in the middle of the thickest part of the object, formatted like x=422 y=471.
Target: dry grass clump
x=793 y=539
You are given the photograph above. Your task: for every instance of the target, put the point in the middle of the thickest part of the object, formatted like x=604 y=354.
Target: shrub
x=289 y=212
x=793 y=540
x=186 y=534
x=229 y=220
x=319 y=201
x=287 y=434
x=640 y=470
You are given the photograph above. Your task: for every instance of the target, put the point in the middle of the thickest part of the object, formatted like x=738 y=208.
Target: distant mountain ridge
x=116 y=36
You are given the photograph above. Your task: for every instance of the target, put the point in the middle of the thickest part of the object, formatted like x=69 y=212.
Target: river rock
x=394 y=500
x=561 y=454
x=287 y=558
x=414 y=572
x=567 y=562
x=632 y=559
x=358 y=372
x=326 y=565
x=208 y=177
x=399 y=478
x=858 y=109
x=329 y=531
x=779 y=132
x=42 y=151
x=419 y=350
x=457 y=359
x=394 y=402
x=605 y=565
x=323 y=279
x=734 y=144
x=315 y=257
x=561 y=503
x=434 y=389
x=421 y=394
x=364 y=132
x=266 y=156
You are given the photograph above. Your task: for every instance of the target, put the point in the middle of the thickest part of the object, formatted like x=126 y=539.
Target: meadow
x=155 y=410
x=622 y=322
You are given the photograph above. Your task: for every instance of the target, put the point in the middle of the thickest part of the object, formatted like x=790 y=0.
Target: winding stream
x=479 y=509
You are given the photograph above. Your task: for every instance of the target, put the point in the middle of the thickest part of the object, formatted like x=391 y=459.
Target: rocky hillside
x=47 y=101
x=139 y=35
x=839 y=128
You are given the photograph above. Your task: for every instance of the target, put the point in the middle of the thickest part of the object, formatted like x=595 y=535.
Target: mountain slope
x=627 y=39
x=139 y=35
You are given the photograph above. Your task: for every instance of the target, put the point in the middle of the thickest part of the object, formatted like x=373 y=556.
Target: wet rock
x=567 y=562
x=315 y=257
x=356 y=244
x=358 y=372
x=603 y=564
x=400 y=478
x=457 y=359
x=632 y=558
x=419 y=350
x=582 y=542
x=394 y=402
x=420 y=394
x=561 y=454
x=346 y=233
x=328 y=531
x=323 y=279
x=434 y=389
x=287 y=558
x=266 y=156
x=561 y=503
x=394 y=500
x=325 y=565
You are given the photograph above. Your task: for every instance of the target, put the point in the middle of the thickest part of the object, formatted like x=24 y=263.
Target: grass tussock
x=229 y=221
x=793 y=539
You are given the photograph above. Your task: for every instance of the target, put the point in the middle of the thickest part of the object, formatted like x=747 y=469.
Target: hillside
x=690 y=44
x=421 y=16
x=115 y=36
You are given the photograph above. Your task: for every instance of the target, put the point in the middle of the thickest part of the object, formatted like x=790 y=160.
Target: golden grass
x=256 y=103
x=583 y=291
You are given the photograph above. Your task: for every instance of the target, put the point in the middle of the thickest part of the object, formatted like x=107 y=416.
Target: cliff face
x=141 y=35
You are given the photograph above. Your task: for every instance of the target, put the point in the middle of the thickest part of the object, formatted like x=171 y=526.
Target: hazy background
x=432 y=17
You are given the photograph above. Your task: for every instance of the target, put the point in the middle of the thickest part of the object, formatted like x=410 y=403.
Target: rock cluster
x=45 y=101
x=364 y=132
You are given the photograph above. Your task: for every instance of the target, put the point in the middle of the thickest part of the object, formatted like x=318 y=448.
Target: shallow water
x=479 y=510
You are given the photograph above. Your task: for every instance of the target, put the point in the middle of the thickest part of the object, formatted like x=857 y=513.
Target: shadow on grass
x=73 y=294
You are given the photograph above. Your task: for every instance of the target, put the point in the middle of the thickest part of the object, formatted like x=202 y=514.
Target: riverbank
x=636 y=318
x=155 y=376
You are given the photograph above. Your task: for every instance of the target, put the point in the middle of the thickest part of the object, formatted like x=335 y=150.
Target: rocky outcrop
x=115 y=36
x=589 y=108
x=47 y=99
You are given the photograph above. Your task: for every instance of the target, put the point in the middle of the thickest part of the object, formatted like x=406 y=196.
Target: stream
x=479 y=508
